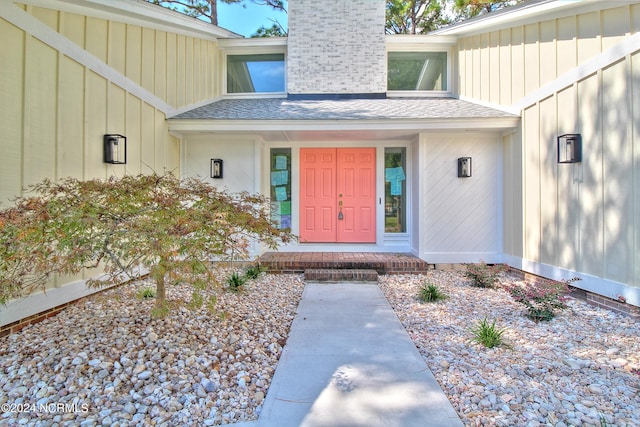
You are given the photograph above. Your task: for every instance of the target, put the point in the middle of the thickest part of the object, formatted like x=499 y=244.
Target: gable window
x=417 y=71
x=260 y=73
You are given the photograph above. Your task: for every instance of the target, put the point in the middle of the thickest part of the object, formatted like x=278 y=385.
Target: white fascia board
x=184 y=126
x=418 y=42
x=255 y=42
x=137 y=12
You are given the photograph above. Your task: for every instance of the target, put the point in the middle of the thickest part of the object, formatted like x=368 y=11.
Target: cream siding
x=581 y=217
x=55 y=109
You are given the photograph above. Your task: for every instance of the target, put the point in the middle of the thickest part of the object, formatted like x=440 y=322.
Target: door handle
x=340 y=215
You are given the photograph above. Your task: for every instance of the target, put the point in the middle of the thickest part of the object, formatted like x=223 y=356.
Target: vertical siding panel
x=566 y=44
x=48 y=17
x=505 y=68
x=615 y=26
x=494 y=76
x=11 y=107
x=548 y=181
x=548 y=49
x=617 y=170
x=147 y=61
x=160 y=140
x=41 y=65
x=591 y=196
x=135 y=138
x=96 y=40
x=531 y=174
x=635 y=18
x=95 y=101
x=517 y=64
x=462 y=63
x=116 y=122
x=117 y=43
x=197 y=83
x=73 y=28
x=70 y=153
x=189 y=72
x=148 y=143
x=588 y=31
x=531 y=58
x=172 y=76
x=476 y=62
x=568 y=184
x=161 y=65
x=134 y=53
x=181 y=76
x=485 y=73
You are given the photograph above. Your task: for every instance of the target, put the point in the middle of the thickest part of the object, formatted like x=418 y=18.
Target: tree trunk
x=214 y=11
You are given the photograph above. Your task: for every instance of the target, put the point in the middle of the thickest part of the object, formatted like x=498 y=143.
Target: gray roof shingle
x=348 y=109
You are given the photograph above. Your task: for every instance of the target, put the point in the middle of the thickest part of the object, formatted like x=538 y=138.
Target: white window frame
x=259 y=46
x=400 y=43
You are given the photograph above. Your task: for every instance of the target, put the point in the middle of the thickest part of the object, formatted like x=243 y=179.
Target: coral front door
x=337 y=195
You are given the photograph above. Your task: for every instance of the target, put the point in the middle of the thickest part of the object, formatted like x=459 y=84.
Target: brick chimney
x=336 y=49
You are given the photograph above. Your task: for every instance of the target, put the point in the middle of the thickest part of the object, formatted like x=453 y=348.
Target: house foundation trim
x=596 y=285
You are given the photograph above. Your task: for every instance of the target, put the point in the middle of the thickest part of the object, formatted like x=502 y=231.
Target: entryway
x=337 y=195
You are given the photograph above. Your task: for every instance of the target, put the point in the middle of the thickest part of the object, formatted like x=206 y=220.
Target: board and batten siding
x=56 y=110
x=65 y=81
x=583 y=217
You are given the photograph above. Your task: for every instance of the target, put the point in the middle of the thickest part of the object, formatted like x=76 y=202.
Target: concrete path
x=349 y=362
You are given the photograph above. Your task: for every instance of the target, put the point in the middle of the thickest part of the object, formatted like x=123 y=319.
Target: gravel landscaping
x=576 y=370
x=111 y=364
x=105 y=361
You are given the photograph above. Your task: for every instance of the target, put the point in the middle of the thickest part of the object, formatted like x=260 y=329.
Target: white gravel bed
x=105 y=361
x=575 y=370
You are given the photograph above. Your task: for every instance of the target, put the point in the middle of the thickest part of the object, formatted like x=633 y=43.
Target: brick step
x=341 y=275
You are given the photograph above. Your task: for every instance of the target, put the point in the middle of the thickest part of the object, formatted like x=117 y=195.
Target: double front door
x=337 y=195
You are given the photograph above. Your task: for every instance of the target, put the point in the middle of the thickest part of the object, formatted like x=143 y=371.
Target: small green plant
x=235 y=282
x=253 y=271
x=431 y=293
x=146 y=293
x=484 y=275
x=542 y=299
x=487 y=334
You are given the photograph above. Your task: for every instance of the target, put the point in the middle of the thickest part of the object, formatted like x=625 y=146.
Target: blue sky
x=246 y=20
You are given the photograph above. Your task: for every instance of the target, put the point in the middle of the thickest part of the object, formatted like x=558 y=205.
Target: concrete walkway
x=349 y=362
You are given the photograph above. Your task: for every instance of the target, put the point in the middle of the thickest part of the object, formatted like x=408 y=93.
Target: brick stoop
x=341 y=275
x=382 y=263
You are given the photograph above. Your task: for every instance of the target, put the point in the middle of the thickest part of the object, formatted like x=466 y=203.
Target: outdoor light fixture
x=464 y=167
x=115 y=149
x=570 y=148
x=216 y=168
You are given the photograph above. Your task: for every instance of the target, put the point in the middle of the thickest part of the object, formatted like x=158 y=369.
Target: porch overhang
x=291 y=130
x=282 y=119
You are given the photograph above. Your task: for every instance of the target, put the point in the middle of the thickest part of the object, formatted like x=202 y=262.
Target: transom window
x=417 y=71
x=260 y=73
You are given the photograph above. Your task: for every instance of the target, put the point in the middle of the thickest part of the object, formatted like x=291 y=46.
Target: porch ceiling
x=277 y=119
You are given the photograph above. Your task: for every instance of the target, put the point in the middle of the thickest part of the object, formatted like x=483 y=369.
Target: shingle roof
x=348 y=109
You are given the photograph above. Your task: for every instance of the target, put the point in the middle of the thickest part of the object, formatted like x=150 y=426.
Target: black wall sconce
x=216 y=168
x=570 y=148
x=115 y=149
x=464 y=167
